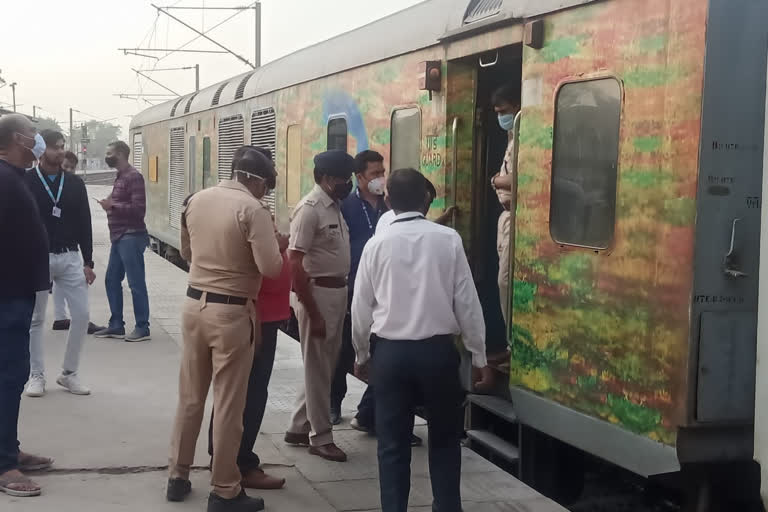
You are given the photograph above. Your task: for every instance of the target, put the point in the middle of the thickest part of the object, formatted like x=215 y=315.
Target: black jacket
x=24 y=258
x=73 y=228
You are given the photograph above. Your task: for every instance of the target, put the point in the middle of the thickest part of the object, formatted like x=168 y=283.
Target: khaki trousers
x=313 y=407
x=502 y=244
x=219 y=341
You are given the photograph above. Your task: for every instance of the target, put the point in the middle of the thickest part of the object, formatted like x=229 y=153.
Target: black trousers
x=345 y=364
x=256 y=399
x=15 y=319
x=404 y=373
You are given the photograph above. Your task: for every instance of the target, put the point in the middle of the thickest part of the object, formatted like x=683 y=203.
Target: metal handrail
x=455 y=163
x=512 y=214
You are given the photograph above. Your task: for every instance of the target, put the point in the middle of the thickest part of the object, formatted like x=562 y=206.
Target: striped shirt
x=129 y=204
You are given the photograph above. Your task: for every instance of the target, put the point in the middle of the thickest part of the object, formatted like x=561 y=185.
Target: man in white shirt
x=386 y=219
x=413 y=293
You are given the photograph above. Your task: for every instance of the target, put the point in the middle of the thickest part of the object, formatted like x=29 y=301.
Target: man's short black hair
x=71 y=157
x=51 y=137
x=366 y=157
x=407 y=190
x=121 y=148
x=253 y=161
x=507 y=93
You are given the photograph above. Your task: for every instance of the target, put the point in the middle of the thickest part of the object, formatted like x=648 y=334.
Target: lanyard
x=409 y=219
x=365 y=210
x=48 y=188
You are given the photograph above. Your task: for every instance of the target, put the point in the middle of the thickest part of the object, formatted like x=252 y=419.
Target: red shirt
x=275 y=295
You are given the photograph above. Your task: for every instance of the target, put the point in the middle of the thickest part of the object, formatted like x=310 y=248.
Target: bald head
x=12 y=124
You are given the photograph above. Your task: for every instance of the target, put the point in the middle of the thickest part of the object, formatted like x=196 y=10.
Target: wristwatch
x=89 y=264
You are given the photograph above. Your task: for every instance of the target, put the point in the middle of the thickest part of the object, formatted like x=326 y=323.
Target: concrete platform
x=111 y=447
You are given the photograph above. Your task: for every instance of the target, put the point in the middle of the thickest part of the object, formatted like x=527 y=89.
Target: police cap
x=335 y=163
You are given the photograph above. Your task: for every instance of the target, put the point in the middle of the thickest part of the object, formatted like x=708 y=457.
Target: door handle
x=730 y=261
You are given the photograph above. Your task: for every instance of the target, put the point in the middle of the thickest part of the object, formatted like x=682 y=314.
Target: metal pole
x=71 y=132
x=155 y=81
x=257 y=42
x=13 y=88
x=34 y=111
x=197 y=77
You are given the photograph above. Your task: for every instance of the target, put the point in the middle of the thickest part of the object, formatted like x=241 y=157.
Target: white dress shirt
x=414 y=283
x=384 y=221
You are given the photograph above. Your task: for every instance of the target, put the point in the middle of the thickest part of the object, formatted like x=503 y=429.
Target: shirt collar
x=235 y=185
x=408 y=215
x=323 y=197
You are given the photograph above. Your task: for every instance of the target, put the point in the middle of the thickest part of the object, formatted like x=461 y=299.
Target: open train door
x=761 y=388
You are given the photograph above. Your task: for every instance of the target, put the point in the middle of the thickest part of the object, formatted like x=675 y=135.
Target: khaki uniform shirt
x=506 y=197
x=319 y=231
x=228 y=237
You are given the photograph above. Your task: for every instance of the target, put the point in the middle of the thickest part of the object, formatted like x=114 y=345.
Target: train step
x=495 y=444
x=496 y=405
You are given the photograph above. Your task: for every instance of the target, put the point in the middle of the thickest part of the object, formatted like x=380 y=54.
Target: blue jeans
x=127 y=258
x=15 y=319
x=406 y=373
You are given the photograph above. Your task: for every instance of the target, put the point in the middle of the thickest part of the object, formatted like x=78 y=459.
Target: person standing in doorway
x=414 y=293
x=126 y=207
x=63 y=204
x=228 y=237
x=361 y=210
x=23 y=273
x=274 y=310
x=319 y=254
x=506 y=103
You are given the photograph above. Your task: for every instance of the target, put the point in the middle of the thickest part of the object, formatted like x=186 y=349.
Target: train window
x=231 y=137
x=207 y=162
x=264 y=135
x=585 y=163
x=137 y=151
x=153 y=164
x=406 y=139
x=337 y=134
x=192 y=164
x=293 y=165
x=177 y=189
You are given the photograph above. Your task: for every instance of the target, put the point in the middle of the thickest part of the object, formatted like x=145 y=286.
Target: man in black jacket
x=23 y=272
x=63 y=204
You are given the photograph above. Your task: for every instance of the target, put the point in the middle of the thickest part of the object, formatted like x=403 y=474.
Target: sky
x=64 y=54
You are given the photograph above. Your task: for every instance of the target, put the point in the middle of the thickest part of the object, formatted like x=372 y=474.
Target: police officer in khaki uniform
x=506 y=103
x=229 y=239
x=320 y=259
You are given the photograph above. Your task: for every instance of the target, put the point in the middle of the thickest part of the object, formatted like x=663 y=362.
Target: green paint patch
x=575 y=272
x=524 y=294
x=645 y=179
x=587 y=382
x=318 y=146
x=525 y=352
x=523 y=241
x=381 y=136
x=641 y=78
x=524 y=179
x=652 y=44
x=637 y=418
x=387 y=74
x=424 y=100
x=647 y=144
x=438 y=204
x=562 y=48
x=680 y=211
x=533 y=133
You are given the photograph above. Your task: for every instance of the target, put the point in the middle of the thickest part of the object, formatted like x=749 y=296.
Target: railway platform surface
x=111 y=448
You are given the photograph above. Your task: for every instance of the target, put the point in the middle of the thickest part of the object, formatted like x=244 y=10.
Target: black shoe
x=61 y=325
x=178 y=489
x=93 y=328
x=335 y=417
x=242 y=503
x=416 y=440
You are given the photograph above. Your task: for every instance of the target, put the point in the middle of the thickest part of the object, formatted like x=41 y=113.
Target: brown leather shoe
x=329 y=452
x=258 y=479
x=297 y=439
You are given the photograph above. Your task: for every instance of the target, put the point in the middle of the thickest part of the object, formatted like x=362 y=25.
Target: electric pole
x=257 y=37
x=197 y=77
x=13 y=88
x=71 y=132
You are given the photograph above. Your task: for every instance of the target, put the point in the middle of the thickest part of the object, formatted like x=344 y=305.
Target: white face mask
x=377 y=186
x=39 y=147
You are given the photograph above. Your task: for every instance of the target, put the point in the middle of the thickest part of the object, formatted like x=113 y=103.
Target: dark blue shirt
x=361 y=218
x=24 y=260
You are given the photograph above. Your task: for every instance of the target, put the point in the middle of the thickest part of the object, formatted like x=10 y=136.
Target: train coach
x=636 y=235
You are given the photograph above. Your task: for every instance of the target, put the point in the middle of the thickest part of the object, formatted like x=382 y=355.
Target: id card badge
x=56 y=212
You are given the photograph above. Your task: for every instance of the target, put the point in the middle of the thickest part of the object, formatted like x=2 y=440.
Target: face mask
x=377 y=186
x=342 y=190
x=507 y=121
x=111 y=161
x=255 y=177
x=39 y=148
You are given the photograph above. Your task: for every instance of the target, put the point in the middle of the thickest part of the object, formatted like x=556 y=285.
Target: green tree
x=101 y=135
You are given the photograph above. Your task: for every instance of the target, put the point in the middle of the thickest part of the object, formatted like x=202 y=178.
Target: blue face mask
x=507 y=121
x=39 y=147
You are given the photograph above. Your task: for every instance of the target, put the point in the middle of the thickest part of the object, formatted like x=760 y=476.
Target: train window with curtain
x=293 y=166
x=337 y=134
x=177 y=186
x=406 y=139
x=137 y=151
x=207 y=162
x=231 y=138
x=264 y=135
x=585 y=163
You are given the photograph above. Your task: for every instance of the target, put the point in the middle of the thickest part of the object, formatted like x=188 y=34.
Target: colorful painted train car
x=636 y=234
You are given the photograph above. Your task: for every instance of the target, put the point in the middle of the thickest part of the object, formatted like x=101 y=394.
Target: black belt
x=216 y=298
x=62 y=250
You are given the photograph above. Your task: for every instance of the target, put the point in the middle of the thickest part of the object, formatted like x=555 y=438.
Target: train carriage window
x=293 y=166
x=337 y=134
x=207 y=182
x=231 y=137
x=264 y=135
x=406 y=139
x=137 y=151
x=177 y=189
x=585 y=163
x=192 y=164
